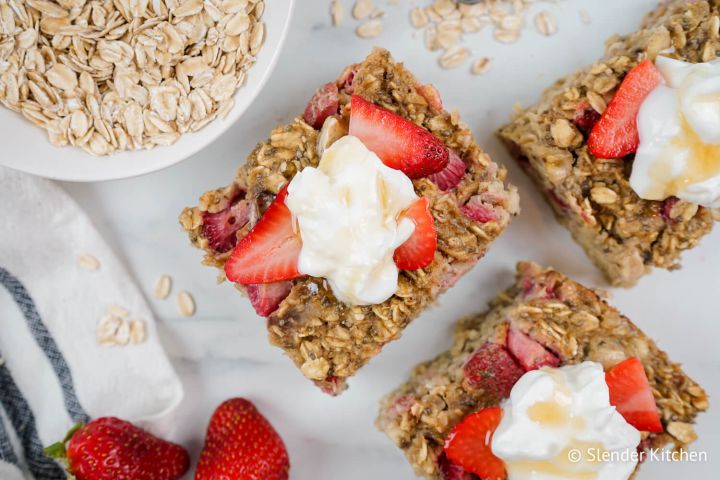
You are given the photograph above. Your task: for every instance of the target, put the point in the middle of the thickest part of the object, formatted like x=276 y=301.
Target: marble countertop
x=222 y=351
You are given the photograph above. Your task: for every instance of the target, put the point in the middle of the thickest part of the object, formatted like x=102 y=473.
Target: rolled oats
x=186 y=304
x=454 y=57
x=88 y=262
x=445 y=21
x=122 y=335
x=481 y=65
x=603 y=195
x=118 y=75
x=336 y=12
x=585 y=17
x=116 y=311
x=107 y=329
x=545 y=23
x=506 y=36
x=597 y=102
x=137 y=331
x=418 y=17
x=370 y=29
x=162 y=287
x=362 y=9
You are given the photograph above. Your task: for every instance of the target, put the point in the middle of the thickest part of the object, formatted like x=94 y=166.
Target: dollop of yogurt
x=679 y=128
x=558 y=424
x=347 y=211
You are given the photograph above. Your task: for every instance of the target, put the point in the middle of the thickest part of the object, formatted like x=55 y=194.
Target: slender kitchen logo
x=593 y=455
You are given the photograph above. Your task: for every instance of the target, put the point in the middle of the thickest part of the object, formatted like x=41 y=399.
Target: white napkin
x=50 y=308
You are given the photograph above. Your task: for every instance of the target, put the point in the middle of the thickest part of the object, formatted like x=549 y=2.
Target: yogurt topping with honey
x=558 y=424
x=348 y=213
x=679 y=128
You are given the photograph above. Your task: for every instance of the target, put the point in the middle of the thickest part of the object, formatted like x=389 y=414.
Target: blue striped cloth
x=53 y=371
x=21 y=418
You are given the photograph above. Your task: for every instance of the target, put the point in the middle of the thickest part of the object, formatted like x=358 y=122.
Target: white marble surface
x=222 y=351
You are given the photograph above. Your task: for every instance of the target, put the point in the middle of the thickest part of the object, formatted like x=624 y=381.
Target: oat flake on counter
x=125 y=74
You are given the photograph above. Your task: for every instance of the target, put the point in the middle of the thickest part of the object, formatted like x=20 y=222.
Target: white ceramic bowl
x=25 y=147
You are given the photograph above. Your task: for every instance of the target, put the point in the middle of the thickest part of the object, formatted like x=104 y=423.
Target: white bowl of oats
x=118 y=89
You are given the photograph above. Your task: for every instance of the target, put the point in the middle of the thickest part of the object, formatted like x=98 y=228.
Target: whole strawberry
x=112 y=449
x=242 y=445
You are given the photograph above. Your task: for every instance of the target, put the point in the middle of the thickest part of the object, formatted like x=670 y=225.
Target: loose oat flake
x=336 y=12
x=545 y=23
x=116 y=311
x=362 y=9
x=162 y=287
x=186 y=304
x=137 y=332
x=481 y=65
x=88 y=262
x=370 y=29
x=125 y=74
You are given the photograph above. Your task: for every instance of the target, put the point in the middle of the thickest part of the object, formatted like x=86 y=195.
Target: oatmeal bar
x=573 y=323
x=622 y=233
x=327 y=339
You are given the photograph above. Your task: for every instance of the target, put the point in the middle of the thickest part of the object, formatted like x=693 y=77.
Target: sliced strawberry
x=530 y=354
x=667 y=209
x=270 y=251
x=492 y=369
x=266 y=297
x=398 y=142
x=323 y=103
x=451 y=471
x=347 y=79
x=585 y=117
x=469 y=444
x=220 y=228
x=418 y=251
x=431 y=96
x=479 y=211
x=632 y=396
x=450 y=176
x=616 y=134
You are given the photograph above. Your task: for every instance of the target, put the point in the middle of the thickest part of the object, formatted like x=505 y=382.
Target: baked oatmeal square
x=467 y=204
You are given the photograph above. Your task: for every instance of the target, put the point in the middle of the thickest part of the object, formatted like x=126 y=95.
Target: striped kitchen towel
x=53 y=370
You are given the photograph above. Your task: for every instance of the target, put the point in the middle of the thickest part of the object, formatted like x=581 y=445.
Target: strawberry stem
x=57 y=450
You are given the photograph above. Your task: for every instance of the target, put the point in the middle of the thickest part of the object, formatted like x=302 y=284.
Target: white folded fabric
x=53 y=371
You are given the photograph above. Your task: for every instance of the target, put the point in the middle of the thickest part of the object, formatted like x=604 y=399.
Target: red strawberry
x=585 y=117
x=469 y=444
x=615 y=134
x=270 y=251
x=219 y=228
x=492 y=369
x=530 y=354
x=112 y=449
x=347 y=79
x=418 y=251
x=242 y=445
x=398 y=142
x=479 y=211
x=323 y=103
x=667 y=208
x=632 y=396
x=450 y=176
x=266 y=297
x=452 y=471
x=431 y=96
